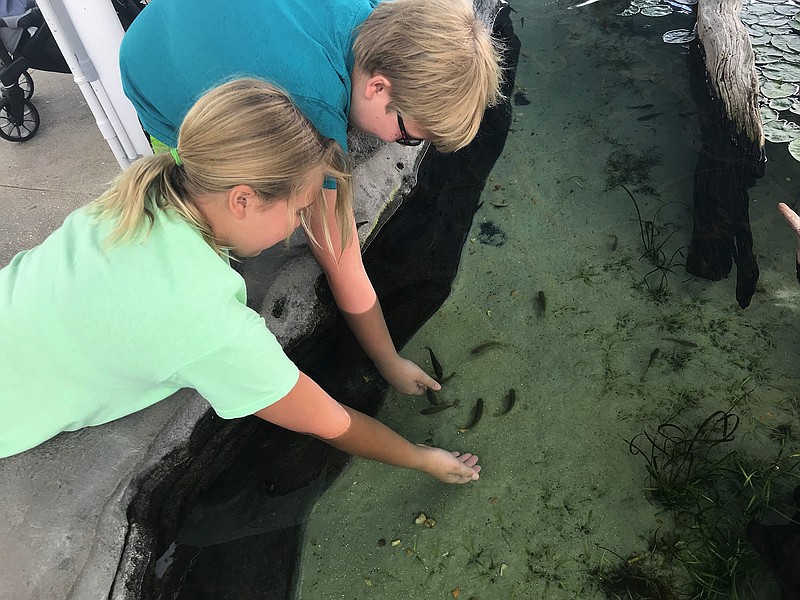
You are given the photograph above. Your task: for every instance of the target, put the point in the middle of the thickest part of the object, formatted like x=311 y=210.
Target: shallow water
x=561 y=500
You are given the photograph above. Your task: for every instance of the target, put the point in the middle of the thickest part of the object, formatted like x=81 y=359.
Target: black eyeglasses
x=405 y=139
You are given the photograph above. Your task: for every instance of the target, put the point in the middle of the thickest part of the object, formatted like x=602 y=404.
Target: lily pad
x=630 y=11
x=787 y=43
x=787 y=10
x=768 y=114
x=780 y=131
x=660 y=10
x=773 y=20
x=749 y=18
x=780 y=104
x=678 y=36
x=795 y=22
x=765 y=55
x=795 y=107
x=762 y=39
x=770 y=89
x=782 y=72
x=794 y=148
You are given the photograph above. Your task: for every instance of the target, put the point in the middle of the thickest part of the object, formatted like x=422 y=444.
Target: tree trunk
x=725 y=86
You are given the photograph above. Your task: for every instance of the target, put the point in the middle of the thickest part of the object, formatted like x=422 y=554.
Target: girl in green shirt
x=133 y=298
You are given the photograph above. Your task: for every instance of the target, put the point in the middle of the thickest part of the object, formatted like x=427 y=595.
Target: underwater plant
x=653 y=251
x=678 y=461
x=712 y=492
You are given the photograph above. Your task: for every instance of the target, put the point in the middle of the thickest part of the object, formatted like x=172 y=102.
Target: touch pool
x=600 y=345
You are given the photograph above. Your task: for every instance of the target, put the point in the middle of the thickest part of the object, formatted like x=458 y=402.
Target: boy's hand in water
x=451 y=467
x=407 y=377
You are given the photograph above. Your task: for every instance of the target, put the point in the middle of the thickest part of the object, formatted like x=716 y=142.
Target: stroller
x=26 y=43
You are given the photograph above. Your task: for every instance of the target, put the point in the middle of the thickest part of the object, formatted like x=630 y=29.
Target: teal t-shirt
x=176 y=50
x=89 y=333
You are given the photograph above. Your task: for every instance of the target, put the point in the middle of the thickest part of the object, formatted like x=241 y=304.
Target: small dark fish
x=475 y=417
x=686 y=114
x=521 y=21
x=653 y=356
x=448 y=378
x=541 y=303
x=614 y=242
x=686 y=343
x=432 y=410
x=511 y=400
x=485 y=346
x=642 y=106
x=431 y=396
x=650 y=116
x=437 y=366
x=520 y=99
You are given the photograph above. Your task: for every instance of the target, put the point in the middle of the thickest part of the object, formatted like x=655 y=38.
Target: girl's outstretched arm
x=307 y=408
x=359 y=304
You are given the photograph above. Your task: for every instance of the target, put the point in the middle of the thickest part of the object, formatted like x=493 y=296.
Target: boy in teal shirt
x=402 y=70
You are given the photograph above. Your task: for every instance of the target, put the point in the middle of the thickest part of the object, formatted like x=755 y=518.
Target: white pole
x=89 y=33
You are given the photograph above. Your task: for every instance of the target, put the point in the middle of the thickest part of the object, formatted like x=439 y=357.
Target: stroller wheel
x=25 y=81
x=20 y=128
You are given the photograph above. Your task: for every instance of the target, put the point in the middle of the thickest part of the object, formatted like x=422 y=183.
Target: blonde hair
x=443 y=64
x=246 y=131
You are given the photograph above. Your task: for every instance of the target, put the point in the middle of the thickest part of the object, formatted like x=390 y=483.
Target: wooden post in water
x=725 y=87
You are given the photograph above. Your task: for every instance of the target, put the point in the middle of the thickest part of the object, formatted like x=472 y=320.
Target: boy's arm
x=308 y=409
x=356 y=298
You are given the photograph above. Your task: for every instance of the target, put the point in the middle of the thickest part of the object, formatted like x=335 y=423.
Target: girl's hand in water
x=451 y=467
x=407 y=377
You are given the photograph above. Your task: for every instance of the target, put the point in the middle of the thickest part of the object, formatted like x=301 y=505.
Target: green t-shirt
x=89 y=333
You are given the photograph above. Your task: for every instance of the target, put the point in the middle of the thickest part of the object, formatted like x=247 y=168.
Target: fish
x=541 y=303
x=476 y=416
x=437 y=366
x=511 y=400
x=650 y=116
x=653 y=356
x=432 y=410
x=614 y=242
x=431 y=396
x=643 y=106
x=486 y=346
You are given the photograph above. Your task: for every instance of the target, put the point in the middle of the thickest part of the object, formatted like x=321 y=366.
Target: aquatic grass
x=677 y=458
x=653 y=244
x=712 y=492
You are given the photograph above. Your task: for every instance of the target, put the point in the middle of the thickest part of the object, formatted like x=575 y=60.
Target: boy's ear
x=239 y=198
x=376 y=85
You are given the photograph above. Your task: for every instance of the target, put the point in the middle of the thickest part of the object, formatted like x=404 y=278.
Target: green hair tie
x=176 y=158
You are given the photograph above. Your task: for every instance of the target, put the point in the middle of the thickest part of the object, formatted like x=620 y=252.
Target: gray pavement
x=63 y=167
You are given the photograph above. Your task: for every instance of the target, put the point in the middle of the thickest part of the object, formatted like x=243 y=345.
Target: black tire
x=18 y=130
x=25 y=81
